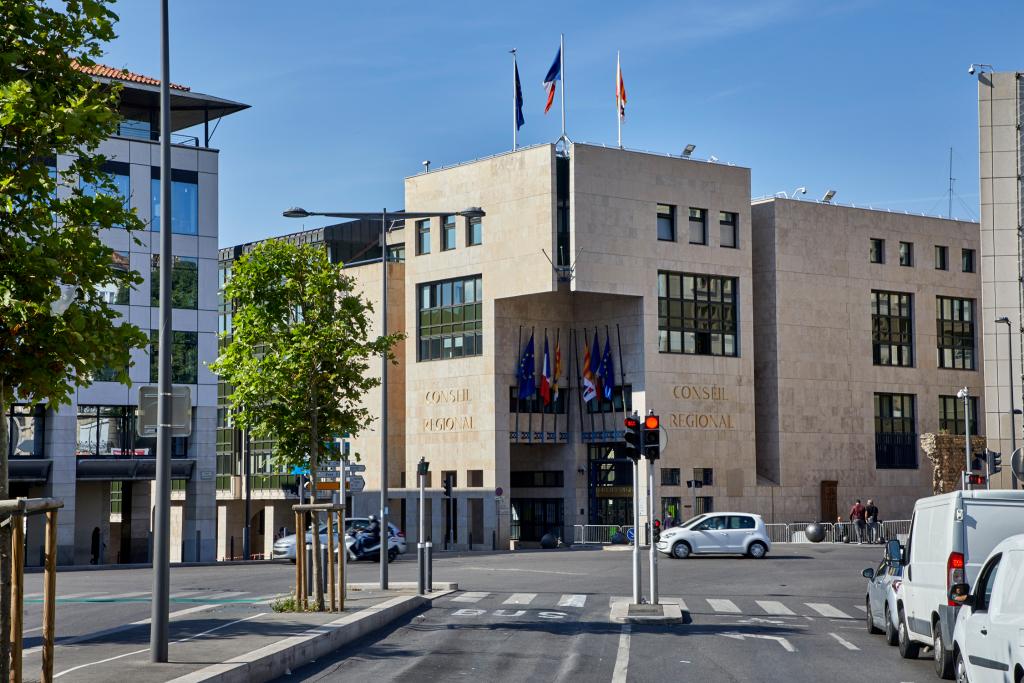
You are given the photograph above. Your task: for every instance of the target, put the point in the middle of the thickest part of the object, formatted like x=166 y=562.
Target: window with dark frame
x=941 y=257
x=184 y=201
x=698 y=226
x=423 y=237
x=114 y=293
x=892 y=329
x=600 y=404
x=967 y=260
x=474 y=478
x=119 y=173
x=26 y=431
x=184 y=282
x=697 y=314
x=110 y=432
x=450 y=321
x=705 y=505
x=475 y=231
x=535 y=404
x=728 y=223
x=895 y=431
x=876 y=253
x=907 y=254
x=184 y=357
x=670 y=476
x=447 y=232
x=536 y=479
x=666 y=222
x=705 y=475
x=954 y=320
x=951 y=414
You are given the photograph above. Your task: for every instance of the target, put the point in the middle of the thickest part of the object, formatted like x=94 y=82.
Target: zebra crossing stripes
x=775 y=608
x=827 y=610
x=472 y=596
x=723 y=605
x=520 y=599
x=572 y=601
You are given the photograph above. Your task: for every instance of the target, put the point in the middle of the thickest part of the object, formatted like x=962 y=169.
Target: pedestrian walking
x=857 y=516
x=871 y=514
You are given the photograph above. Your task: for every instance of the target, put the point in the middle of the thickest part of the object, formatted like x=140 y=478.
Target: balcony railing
x=896 y=450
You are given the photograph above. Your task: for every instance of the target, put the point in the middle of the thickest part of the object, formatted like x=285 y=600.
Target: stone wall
x=947 y=453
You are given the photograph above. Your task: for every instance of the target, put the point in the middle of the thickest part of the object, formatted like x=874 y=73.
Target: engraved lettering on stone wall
x=699 y=420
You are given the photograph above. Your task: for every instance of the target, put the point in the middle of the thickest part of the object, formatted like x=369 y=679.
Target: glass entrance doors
x=610 y=486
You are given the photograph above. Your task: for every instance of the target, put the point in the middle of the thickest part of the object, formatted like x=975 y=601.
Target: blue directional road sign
x=630 y=534
x=300 y=470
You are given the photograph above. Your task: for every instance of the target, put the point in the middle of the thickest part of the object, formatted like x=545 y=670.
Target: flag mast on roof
x=557 y=73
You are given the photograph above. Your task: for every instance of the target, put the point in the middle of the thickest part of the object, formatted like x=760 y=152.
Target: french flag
x=554 y=75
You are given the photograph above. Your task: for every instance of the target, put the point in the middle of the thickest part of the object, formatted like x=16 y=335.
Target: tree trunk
x=314 y=449
x=5 y=548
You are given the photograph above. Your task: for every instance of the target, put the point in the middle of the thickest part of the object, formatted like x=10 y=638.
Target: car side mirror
x=868 y=573
x=960 y=594
x=894 y=551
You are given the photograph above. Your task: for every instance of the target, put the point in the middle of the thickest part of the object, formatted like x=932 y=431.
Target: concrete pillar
x=93 y=512
x=222 y=529
x=273 y=517
x=200 y=510
x=140 y=521
x=61 y=432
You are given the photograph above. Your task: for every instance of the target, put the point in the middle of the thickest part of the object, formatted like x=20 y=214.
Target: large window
x=537 y=479
x=184 y=282
x=474 y=231
x=600 y=404
x=423 y=237
x=729 y=226
x=184 y=201
x=892 y=328
x=116 y=293
x=447 y=232
x=697 y=314
x=118 y=173
x=951 y=414
x=895 y=432
x=666 y=222
x=109 y=431
x=670 y=476
x=705 y=475
x=534 y=517
x=876 y=253
x=451 y=318
x=184 y=357
x=954 y=319
x=698 y=226
x=535 y=404
x=25 y=429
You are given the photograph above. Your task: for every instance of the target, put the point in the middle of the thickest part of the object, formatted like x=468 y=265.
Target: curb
x=279 y=659
x=403 y=585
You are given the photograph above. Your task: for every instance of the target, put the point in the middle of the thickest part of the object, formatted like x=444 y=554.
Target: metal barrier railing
x=779 y=533
x=584 y=534
x=837 y=532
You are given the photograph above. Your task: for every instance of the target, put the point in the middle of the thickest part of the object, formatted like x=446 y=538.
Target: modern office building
x=1001 y=165
x=88 y=453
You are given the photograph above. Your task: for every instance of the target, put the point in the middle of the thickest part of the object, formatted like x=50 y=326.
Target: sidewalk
x=227 y=642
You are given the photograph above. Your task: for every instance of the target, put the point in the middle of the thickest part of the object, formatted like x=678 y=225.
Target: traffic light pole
x=650 y=521
x=637 y=580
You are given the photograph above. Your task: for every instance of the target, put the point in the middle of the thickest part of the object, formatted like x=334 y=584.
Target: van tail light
x=955 y=573
x=401 y=534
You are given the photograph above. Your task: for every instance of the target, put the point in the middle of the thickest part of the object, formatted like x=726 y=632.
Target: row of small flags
x=598 y=371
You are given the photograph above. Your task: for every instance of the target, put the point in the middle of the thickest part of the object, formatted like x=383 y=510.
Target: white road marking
x=827 y=610
x=472 y=596
x=775 y=607
x=862 y=608
x=74 y=596
x=622 y=656
x=844 y=642
x=572 y=601
x=721 y=605
x=528 y=571
x=786 y=645
x=520 y=599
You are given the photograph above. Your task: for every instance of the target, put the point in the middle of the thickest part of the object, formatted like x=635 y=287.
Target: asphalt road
x=545 y=616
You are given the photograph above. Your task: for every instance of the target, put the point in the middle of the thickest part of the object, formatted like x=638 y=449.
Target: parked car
x=950 y=536
x=882 y=595
x=988 y=639
x=738 y=533
x=284 y=547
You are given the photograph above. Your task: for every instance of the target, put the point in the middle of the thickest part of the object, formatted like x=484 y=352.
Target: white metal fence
x=588 y=534
x=838 y=532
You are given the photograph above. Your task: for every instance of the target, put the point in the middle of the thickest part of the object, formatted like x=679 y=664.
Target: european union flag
x=607 y=371
x=527 y=375
x=520 y=120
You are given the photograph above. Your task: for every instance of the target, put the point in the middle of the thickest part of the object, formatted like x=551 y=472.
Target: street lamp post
x=1009 y=375
x=964 y=394
x=385 y=217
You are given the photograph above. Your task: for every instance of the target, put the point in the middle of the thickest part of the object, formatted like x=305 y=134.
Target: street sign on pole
x=355 y=467
x=356 y=484
x=181 y=411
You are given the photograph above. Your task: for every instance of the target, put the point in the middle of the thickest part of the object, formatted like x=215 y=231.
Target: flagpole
x=529 y=416
x=618 y=85
x=543 y=408
x=554 y=372
x=515 y=102
x=519 y=352
x=561 y=52
x=575 y=341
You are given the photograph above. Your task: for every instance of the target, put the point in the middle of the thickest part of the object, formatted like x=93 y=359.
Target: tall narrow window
x=184 y=201
x=967 y=260
x=892 y=328
x=114 y=293
x=475 y=231
x=954 y=319
x=447 y=233
x=451 y=319
x=895 y=432
x=184 y=282
x=941 y=257
x=423 y=237
x=951 y=414
x=728 y=223
x=697 y=314
x=184 y=357
x=666 y=222
x=118 y=173
x=906 y=254
x=877 y=251
x=698 y=226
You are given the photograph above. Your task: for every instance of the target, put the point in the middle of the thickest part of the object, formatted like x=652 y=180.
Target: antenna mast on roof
x=949 y=211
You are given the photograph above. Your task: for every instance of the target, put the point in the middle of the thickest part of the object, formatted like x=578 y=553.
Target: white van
x=950 y=537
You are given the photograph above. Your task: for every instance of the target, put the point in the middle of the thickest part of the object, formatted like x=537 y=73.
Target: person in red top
x=857 y=516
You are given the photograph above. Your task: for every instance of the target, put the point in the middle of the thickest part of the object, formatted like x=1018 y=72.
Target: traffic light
x=976 y=479
x=657 y=530
x=633 y=436
x=422 y=467
x=447 y=485
x=652 y=437
x=995 y=462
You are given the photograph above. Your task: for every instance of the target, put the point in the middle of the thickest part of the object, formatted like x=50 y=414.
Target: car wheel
x=908 y=648
x=891 y=636
x=681 y=550
x=960 y=669
x=757 y=550
x=942 y=657
x=392 y=554
x=871 y=620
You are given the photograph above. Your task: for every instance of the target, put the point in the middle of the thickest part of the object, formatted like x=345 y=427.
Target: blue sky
x=348 y=98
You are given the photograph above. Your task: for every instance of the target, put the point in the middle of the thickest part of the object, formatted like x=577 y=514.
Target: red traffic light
x=651 y=422
x=632 y=423
x=976 y=480
x=657 y=524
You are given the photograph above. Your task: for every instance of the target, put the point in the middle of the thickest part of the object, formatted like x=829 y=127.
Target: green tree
x=49 y=229
x=298 y=359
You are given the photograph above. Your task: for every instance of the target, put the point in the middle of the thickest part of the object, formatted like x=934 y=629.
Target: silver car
x=882 y=598
x=732 y=533
x=284 y=547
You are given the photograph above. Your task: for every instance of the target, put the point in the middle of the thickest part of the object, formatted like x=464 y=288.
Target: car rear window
x=741 y=522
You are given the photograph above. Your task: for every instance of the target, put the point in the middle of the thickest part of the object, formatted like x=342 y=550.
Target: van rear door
x=987 y=522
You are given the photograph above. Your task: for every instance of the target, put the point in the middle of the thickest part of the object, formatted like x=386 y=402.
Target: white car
x=734 y=533
x=284 y=547
x=883 y=593
x=988 y=639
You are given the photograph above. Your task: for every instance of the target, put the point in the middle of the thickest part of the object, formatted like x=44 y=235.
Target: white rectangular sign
x=181 y=411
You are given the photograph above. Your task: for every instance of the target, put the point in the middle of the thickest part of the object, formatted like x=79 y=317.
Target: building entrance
x=610 y=486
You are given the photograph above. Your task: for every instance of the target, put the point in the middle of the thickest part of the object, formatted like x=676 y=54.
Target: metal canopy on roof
x=187 y=108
